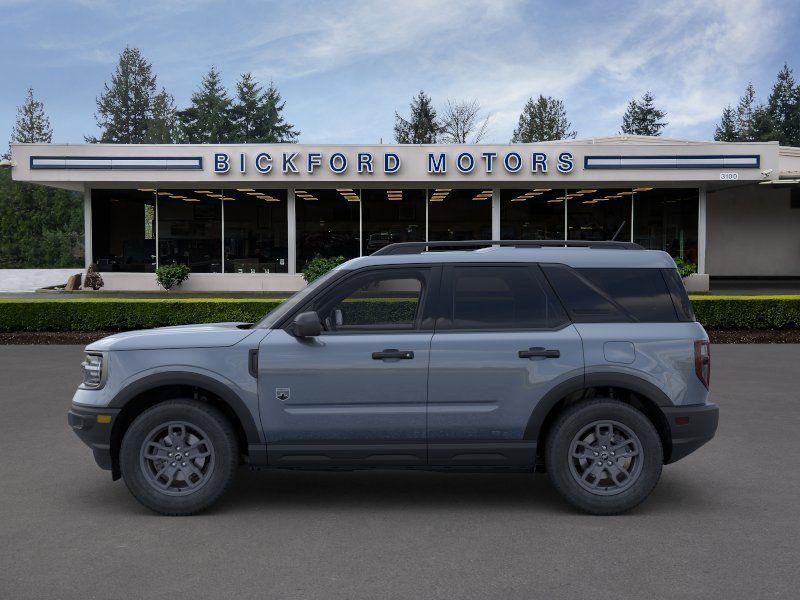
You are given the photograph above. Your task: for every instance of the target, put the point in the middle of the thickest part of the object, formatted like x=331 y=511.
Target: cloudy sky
x=344 y=67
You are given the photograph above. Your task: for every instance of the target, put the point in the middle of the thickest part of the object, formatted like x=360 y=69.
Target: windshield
x=296 y=299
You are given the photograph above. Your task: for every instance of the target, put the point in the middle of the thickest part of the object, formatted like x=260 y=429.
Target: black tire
x=571 y=474
x=138 y=470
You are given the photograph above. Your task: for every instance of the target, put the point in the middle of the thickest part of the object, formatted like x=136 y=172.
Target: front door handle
x=539 y=353
x=392 y=353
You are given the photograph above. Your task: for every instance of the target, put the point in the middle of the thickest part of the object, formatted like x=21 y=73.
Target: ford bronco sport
x=581 y=359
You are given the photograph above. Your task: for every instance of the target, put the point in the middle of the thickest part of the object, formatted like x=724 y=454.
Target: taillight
x=702 y=361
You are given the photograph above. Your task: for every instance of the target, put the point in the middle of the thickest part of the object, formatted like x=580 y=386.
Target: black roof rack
x=420 y=247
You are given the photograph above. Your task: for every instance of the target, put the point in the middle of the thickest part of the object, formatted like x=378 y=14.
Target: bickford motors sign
x=390 y=163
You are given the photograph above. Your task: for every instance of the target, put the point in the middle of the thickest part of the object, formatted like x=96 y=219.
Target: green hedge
x=109 y=314
x=124 y=314
x=747 y=312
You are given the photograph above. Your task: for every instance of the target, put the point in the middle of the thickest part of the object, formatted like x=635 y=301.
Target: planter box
x=696 y=283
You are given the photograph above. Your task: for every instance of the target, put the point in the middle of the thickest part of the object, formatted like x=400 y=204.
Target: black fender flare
x=188 y=378
x=582 y=382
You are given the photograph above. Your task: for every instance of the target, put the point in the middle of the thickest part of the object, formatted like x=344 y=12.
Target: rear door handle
x=392 y=353
x=539 y=353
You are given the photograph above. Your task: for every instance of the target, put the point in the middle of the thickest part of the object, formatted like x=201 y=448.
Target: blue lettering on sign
x=565 y=163
x=263 y=163
x=364 y=162
x=288 y=162
x=222 y=163
x=242 y=162
x=488 y=158
x=539 y=162
x=465 y=162
x=314 y=160
x=512 y=162
x=391 y=163
x=338 y=162
x=437 y=166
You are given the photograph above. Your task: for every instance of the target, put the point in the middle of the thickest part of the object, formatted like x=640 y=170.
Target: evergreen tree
x=422 y=126
x=643 y=118
x=124 y=107
x=208 y=118
x=32 y=124
x=726 y=130
x=744 y=114
x=246 y=108
x=543 y=119
x=257 y=114
x=784 y=108
x=762 y=126
x=40 y=227
x=275 y=128
x=162 y=126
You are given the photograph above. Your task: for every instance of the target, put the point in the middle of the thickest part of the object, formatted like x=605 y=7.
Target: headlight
x=92 y=371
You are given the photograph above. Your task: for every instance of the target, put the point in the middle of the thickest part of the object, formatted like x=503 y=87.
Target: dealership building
x=249 y=217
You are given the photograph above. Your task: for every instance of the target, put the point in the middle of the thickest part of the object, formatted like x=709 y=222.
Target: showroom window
x=599 y=214
x=390 y=216
x=536 y=213
x=666 y=219
x=190 y=229
x=455 y=214
x=256 y=236
x=327 y=223
x=123 y=230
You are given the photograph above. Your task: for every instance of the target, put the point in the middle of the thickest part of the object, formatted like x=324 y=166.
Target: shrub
x=747 y=312
x=93 y=279
x=114 y=314
x=319 y=265
x=170 y=276
x=685 y=268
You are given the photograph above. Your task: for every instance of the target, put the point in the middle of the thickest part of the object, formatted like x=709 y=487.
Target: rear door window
x=502 y=297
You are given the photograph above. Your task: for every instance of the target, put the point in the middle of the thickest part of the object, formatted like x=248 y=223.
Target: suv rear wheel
x=604 y=456
x=179 y=457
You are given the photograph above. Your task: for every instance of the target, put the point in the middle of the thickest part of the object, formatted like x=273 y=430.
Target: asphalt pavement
x=722 y=523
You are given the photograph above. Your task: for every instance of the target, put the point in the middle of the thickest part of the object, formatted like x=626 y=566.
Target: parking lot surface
x=722 y=523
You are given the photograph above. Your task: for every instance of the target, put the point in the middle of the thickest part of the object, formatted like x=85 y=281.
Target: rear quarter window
x=613 y=295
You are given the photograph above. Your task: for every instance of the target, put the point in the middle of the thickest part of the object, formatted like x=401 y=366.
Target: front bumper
x=690 y=428
x=93 y=426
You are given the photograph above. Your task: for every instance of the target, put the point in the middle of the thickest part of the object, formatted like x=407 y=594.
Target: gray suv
x=581 y=359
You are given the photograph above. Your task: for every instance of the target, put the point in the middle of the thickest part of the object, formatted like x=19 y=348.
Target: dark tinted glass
x=494 y=297
x=585 y=301
x=642 y=293
x=679 y=296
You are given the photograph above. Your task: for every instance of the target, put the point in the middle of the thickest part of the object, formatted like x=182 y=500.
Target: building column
x=291 y=233
x=495 y=213
x=701 y=230
x=87 y=226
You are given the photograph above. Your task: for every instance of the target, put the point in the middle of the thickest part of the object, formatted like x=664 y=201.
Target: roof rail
x=420 y=247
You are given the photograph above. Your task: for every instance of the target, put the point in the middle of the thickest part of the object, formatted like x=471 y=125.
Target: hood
x=209 y=335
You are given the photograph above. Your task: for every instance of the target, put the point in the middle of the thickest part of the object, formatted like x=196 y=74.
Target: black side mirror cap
x=306 y=324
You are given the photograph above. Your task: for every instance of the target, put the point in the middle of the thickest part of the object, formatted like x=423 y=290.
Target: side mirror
x=306 y=324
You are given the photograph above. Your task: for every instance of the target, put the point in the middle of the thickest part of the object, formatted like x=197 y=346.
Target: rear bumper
x=690 y=428
x=93 y=432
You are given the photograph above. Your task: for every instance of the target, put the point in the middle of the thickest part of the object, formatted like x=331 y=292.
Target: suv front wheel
x=179 y=457
x=603 y=456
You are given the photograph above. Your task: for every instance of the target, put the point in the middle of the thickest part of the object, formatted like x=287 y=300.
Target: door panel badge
x=282 y=394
